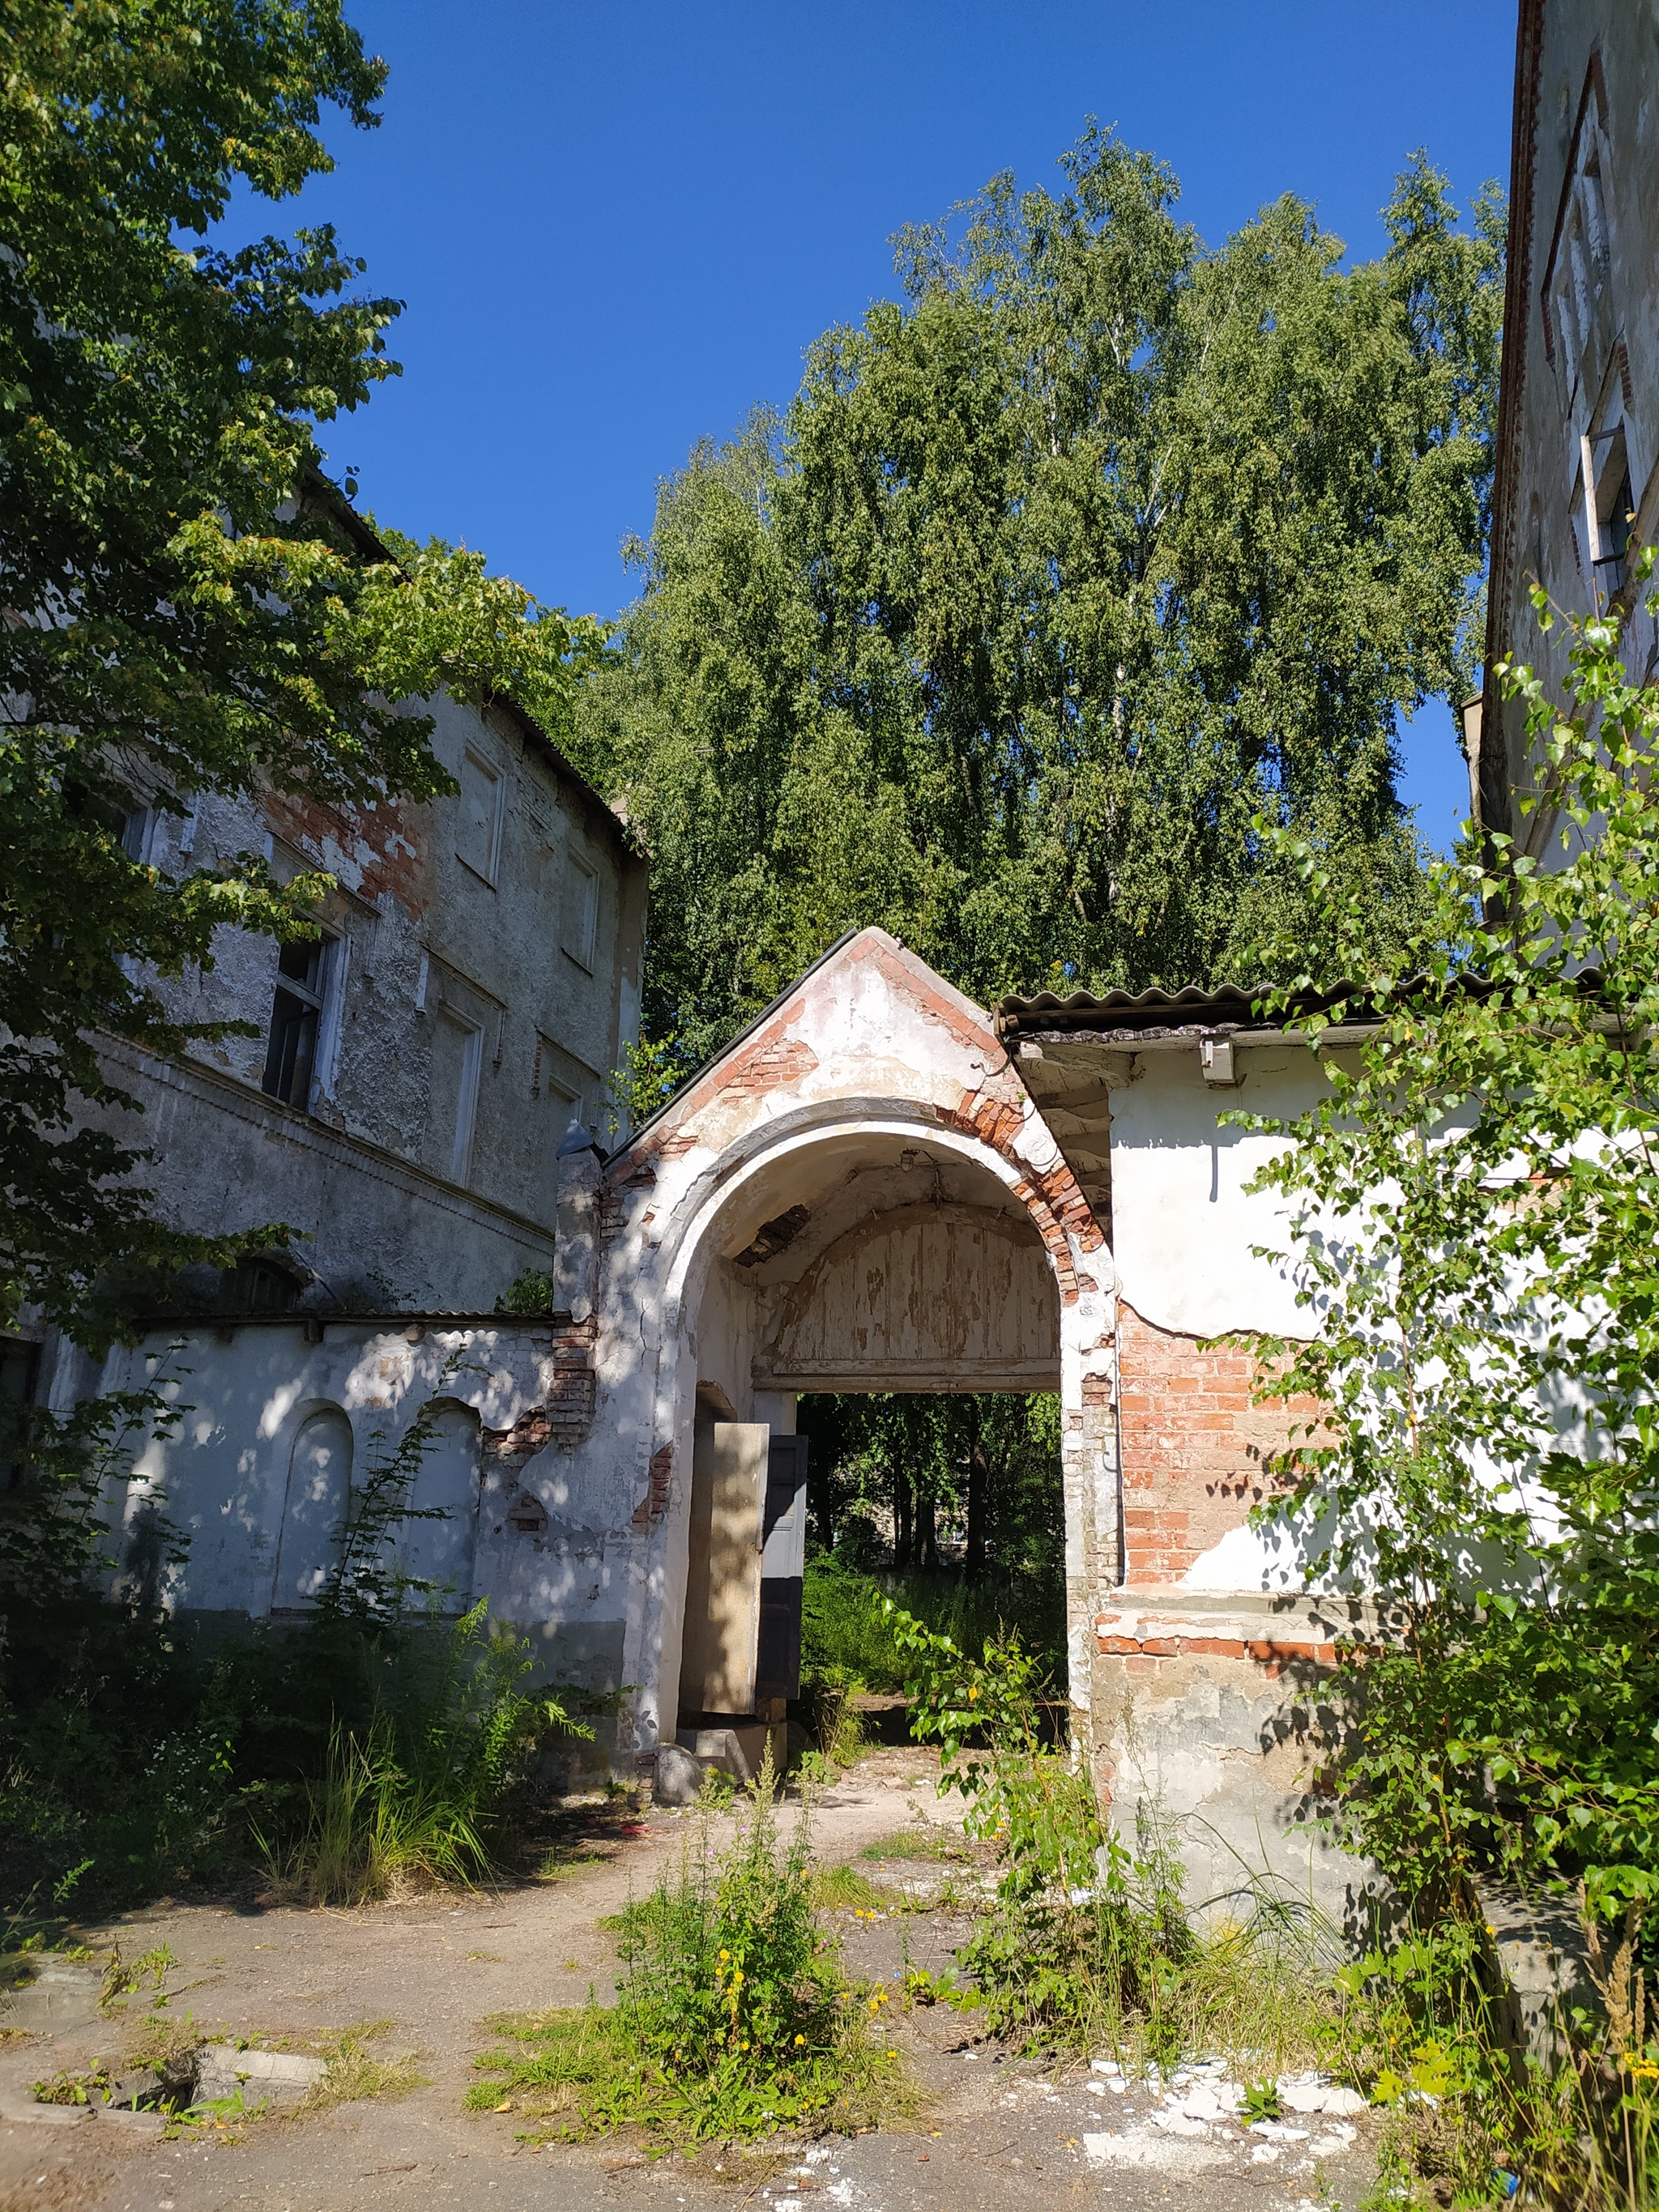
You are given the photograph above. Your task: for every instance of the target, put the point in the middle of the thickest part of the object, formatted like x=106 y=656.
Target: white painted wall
x=1183 y=1223
x=273 y=1426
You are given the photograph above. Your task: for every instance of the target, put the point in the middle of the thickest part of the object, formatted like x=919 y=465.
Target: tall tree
x=181 y=609
x=1058 y=572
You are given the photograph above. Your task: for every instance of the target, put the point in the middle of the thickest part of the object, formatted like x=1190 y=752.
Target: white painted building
x=871 y=1189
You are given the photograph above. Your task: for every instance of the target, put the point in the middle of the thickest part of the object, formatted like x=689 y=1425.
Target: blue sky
x=617 y=227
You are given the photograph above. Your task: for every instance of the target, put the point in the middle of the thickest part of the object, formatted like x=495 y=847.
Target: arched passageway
x=858 y=1196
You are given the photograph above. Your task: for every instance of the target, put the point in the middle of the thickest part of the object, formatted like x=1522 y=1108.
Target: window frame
x=311 y=997
x=579 y=869
x=484 y=761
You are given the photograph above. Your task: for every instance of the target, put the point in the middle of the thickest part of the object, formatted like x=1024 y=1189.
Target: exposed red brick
x=653 y=1506
x=1195 y=1444
x=1271 y=1653
x=383 y=839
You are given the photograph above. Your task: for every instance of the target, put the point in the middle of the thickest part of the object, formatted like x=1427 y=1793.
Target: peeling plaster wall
x=1215 y=1724
x=871 y=1058
x=1182 y=1226
x=537 y=958
x=554 y=1551
x=1210 y=1655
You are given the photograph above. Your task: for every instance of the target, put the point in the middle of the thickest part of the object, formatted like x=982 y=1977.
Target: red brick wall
x=1192 y=1444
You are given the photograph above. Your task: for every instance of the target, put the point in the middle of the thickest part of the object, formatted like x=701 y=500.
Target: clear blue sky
x=618 y=226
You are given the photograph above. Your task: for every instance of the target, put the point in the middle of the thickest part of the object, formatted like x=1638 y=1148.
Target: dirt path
x=434 y=1972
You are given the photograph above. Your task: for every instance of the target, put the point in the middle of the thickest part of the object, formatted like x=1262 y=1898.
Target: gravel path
x=996 y=2131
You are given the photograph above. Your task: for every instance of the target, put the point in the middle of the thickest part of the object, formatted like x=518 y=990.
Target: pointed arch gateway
x=859 y=1194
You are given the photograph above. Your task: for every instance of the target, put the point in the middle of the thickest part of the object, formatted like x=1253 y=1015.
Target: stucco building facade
x=879 y=1186
x=1578 y=463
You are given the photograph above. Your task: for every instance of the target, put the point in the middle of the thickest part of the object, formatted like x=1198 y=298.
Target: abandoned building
x=878 y=1186
x=1577 y=485
x=414 y=1069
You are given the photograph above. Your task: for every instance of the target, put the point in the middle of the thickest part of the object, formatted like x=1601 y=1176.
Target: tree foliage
x=983 y=1468
x=1058 y=574
x=1476 y=1203
x=188 y=608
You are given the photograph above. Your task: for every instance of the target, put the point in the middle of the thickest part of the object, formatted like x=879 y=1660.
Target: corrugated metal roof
x=1231 y=1006
x=1129 y=1014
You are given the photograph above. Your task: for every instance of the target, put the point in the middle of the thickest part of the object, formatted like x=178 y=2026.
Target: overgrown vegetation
x=419 y=1790
x=950 y=1506
x=1475 y=1205
x=377 y=1743
x=1093 y=545
x=733 y=2017
x=1088 y=1944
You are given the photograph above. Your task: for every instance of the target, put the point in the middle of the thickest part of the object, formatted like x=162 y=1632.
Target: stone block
x=679 y=1775
x=269 y=2076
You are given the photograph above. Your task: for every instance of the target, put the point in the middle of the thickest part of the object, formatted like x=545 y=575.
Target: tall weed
x=732 y=2016
x=416 y=1794
x=1087 y=1942
x=1574 y=2128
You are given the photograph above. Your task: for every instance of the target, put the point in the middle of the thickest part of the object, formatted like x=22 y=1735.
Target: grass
x=922 y=1839
x=167 y=2047
x=355 y=2075
x=372 y=1825
x=571 y=2075
x=843 y=1888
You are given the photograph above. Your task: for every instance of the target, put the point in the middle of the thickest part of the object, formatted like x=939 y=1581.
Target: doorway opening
x=950 y=1504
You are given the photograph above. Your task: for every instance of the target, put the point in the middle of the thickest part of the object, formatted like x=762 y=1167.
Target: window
x=581 y=909
x=1604 y=486
x=296 y=1019
x=461 y=1017
x=20 y=1366
x=452 y=1093
x=547 y=1088
x=1605 y=509
x=1578 y=317
x=478 y=836
x=572 y=1089
x=442 y=1551
x=259 y=1287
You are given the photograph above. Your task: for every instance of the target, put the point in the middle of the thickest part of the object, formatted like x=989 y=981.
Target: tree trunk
x=979 y=1484
x=903 y=1505
x=926 y=1552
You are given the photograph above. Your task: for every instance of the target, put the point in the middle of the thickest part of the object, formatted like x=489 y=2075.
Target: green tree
x=188 y=606
x=982 y=1466
x=1058 y=574
x=1476 y=1210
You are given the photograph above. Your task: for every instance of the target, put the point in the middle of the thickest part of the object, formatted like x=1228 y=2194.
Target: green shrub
x=732 y=2016
x=844 y=1624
